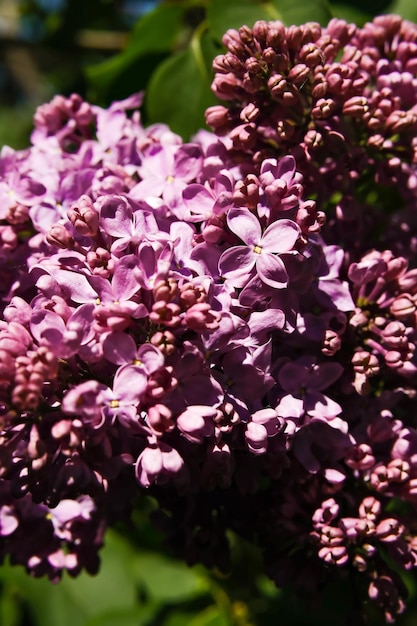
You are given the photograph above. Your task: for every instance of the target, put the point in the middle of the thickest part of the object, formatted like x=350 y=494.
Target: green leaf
x=75 y=600
x=156 y=32
x=223 y=15
x=301 y=11
x=169 y=581
x=406 y=8
x=236 y=13
x=212 y=616
x=141 y=616
x=179 y=90
x=9 y=609
x=350 y=13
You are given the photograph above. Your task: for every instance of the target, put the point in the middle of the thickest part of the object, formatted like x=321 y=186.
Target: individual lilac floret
x=260 y=252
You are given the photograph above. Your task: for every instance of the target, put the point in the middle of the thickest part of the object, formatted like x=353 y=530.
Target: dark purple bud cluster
x=341 y=99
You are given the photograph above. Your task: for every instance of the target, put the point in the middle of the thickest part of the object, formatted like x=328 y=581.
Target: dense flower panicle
x=219 y=322
x=341 y=99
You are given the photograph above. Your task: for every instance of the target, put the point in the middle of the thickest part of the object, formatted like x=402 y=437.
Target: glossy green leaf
x=169 y=581
x=156 y=32
x=235 y=13
x=179 y=90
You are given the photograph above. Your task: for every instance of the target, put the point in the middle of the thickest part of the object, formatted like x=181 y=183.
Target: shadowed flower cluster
x=179 y=318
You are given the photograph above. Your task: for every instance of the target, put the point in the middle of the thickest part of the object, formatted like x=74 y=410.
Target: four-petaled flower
x=261 y=251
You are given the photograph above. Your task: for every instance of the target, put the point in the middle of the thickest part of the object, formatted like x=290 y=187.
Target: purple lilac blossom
x=208 y=323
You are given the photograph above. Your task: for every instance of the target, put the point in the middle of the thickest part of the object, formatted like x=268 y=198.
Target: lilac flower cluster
x=178 y=319
x=341 y=99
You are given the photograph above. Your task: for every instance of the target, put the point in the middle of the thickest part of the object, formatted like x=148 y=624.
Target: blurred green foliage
x=168 y=54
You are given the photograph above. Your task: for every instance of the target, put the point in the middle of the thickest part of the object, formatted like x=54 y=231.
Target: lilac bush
x=228 y=324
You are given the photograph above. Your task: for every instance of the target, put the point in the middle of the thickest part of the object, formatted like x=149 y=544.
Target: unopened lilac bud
x=84 y=217
x=256 y=438
x=395 y=335
x=294 y=37
x=331 y=535
x=160 y=418
x=394 y=359
x=217 y=117
x=408 y=281
x=354 y=527
x=196 y=422
x=365 y=362
x=323 y=108
x=400 y=121
x=8 y=239
x=313 y=139
x=299 y=74
x=331 y=343
x=201 y=318
x=398 y=470
x=59 y=236
x=277 y=85
x=335 y=555
x=370 y=508
x=319 y=89
x=246 y=35
x=254 y=65
x=213 y=230
x=389 y=530
x=165 y=313
x=356 y=106
x=327 y=512
x=396 y=266
x=165 y=341
x=275 y=34
x=360 y=457
x=165 y=290
x=249 y=113
x=403 y=306
x=275 y=60
x=260 y=31
x=253 y=84
x=311 y=55
x=231 y=39
x=379 y=478
x=100 y=262
x=243 y=136
x=226 y=63
x=340 y=30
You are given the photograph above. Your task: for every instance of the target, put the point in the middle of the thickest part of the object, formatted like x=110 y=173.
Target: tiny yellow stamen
x=137 y=362
x=170 y=179
x=114 y=404
x=98 y=301
x=257 y=249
